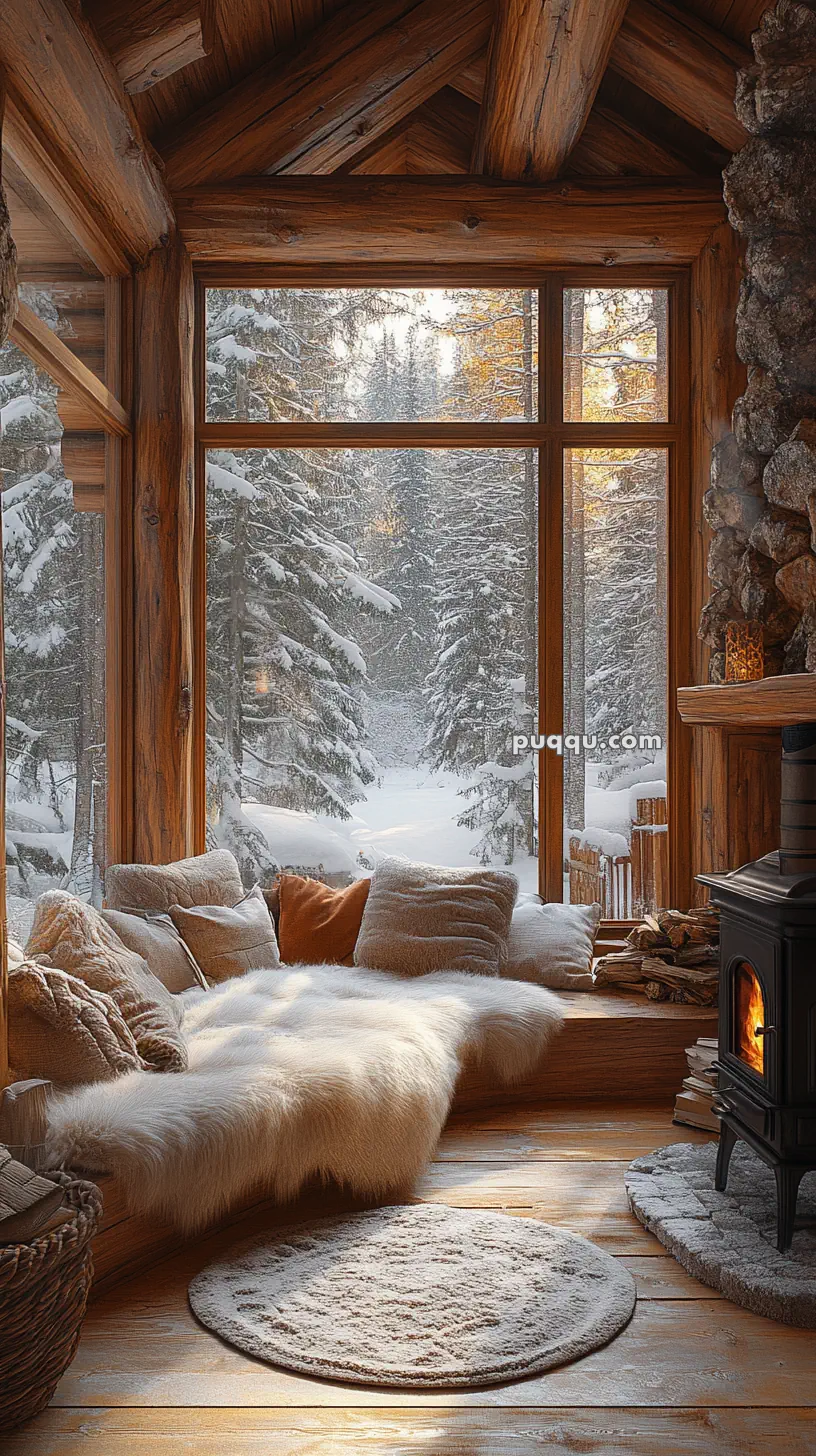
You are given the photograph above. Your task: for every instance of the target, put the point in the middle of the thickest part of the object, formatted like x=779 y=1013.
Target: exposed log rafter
x=684 y=63
x=545 y=64
x=72 y=129
x=149 y=40
x=364 y=71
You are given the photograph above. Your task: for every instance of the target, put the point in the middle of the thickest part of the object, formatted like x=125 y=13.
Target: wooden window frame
x=550 y=435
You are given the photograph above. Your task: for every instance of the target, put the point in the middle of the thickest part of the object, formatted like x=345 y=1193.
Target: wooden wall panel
x=163 y=513
x=717 y=380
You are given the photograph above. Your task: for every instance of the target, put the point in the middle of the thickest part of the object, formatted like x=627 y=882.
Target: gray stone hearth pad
x=728 y=1240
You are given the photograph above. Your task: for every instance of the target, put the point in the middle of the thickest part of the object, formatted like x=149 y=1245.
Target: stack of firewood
x=672 y=956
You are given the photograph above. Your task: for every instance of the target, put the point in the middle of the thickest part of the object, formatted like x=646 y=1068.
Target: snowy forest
x=53 y=577
x=372 y=613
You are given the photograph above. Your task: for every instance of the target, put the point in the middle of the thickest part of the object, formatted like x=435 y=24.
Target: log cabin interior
x=408 y=462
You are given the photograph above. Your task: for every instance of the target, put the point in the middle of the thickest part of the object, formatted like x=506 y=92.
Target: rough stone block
x=796 y=582
x=765 y=416
x=725 y=553
x=790 y=475
x=782 y=535
x=778 y=335
x=719 y=610
x=726 y=509
x=770 y=186
x=733 y=467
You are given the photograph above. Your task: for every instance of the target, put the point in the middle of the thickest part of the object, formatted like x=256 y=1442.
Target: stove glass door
x=749 y=1018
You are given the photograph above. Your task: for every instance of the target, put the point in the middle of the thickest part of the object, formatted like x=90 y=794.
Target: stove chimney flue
x=797 y=848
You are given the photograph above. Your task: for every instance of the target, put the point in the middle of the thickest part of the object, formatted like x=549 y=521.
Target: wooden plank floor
x=692 y=1373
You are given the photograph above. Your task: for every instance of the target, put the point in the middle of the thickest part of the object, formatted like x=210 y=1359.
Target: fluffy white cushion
x=420 y=918
x=317 y=1071
x=553 y=945
x=228 y=940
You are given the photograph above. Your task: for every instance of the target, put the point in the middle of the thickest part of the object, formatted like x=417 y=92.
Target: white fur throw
x=320 y=1071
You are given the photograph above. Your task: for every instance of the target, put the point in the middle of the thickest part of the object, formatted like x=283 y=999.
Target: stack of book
x=693 y=1104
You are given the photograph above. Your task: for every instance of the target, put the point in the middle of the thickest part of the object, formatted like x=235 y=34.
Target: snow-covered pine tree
x=482 y=689
x=396 y=490
x=55 y=633
x=285 y=674
x=618 y=370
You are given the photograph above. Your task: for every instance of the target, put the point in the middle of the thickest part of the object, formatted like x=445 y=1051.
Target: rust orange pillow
x=318 y=923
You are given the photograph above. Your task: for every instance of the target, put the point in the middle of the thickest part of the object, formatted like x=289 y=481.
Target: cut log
x=366 y=69
x=148 y=40
x=77 y=125
x=545 y=65
x=24 y=1121
x=445 y=220
x=685 y=64
x=163 y=556
x=47 y=349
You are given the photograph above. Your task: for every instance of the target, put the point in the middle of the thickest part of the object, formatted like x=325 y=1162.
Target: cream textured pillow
x=229 y=940
x=76 y=939
x=156 y=940
x=420 y=918
x=553 y=945
x=206 y=879
x=62 y=1030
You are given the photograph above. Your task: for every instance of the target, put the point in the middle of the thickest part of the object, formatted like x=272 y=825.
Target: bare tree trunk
x=88 y=847
x=574 y=571
x=661 y=523
x=8 y=308
x=530 y=617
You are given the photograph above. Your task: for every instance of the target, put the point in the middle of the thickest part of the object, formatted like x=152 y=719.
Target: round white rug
x=728 y=1240
x=416 y=1296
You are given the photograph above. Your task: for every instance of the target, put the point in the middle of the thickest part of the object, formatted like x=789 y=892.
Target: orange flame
x=750 y=1009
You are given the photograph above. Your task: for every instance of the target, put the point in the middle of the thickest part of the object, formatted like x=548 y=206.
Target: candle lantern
x=744 y=657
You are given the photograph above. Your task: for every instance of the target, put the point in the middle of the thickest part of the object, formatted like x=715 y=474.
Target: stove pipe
x=797 y=849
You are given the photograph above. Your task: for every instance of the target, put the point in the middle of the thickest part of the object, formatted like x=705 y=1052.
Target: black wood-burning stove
x=767 y=1027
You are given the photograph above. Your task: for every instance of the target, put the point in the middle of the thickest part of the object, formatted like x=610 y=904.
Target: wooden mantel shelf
x=771 y=702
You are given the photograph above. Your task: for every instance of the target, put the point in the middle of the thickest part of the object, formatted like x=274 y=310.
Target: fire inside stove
x=749 y=1021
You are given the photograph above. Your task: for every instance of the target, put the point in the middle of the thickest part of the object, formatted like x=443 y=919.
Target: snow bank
x=302 y=841
x=603 y=840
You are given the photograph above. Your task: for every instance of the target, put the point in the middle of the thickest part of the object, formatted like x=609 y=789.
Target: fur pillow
x=156 y=940
x=76 y=939
x=420 y=918
x=553 y=945
x=226 y=940
x=62 y=1030
x=205 y=879
x=318 y=924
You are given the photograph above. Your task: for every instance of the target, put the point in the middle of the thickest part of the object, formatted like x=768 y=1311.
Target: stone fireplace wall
x=762 y=501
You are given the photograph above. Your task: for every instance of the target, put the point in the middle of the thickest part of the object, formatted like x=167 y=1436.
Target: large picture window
x=435 y=548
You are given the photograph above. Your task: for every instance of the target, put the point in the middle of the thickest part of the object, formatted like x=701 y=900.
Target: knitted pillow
x=76 y=939
x=156 y=940
x=318 y=924
x=62 y=1030
x=205 y=879
x=553 y=945
x=227 y=940
x=420 y=918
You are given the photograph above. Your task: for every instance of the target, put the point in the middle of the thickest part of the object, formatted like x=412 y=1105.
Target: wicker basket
x=44 y=1289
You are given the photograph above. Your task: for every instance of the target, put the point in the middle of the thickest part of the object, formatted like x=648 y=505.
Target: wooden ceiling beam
x=149 y=40
x=448 y=220
x=71 y=127
x=363 y=71
x=48 y=351
x=674 y=57
x=684 y=63
x=544 y=67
